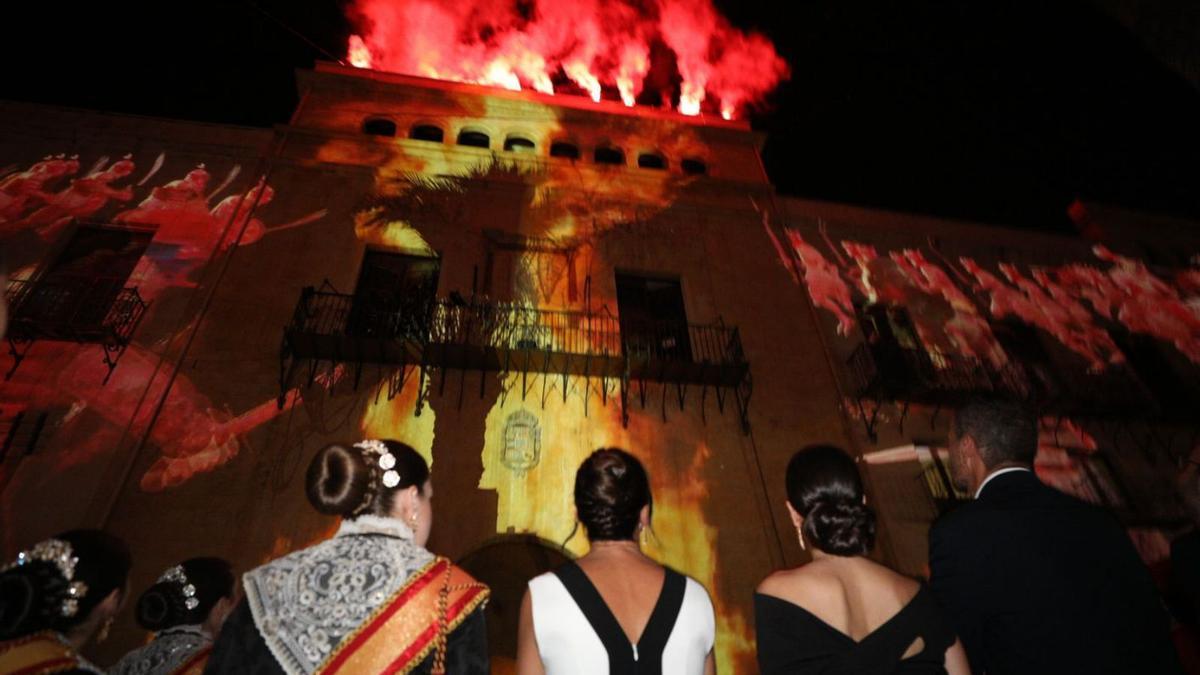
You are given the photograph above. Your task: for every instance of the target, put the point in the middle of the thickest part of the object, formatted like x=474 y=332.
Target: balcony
x=456 y=334
x=886 y=372
x=82 y=309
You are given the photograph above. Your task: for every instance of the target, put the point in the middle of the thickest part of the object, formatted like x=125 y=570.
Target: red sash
x=36 y=654
x=195 y=664
x=415 y=621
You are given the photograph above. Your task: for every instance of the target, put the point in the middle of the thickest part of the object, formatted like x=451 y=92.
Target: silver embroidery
x=169 y=650
x=304 y=604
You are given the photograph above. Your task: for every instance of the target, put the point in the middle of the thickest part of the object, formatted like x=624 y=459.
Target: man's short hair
x=1004 y=431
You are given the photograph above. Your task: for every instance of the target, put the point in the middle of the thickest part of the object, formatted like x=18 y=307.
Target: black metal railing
x=74 y=308
x=895 y=373
x=327 y=321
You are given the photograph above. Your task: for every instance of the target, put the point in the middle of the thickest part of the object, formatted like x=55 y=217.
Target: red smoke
x=524 y=44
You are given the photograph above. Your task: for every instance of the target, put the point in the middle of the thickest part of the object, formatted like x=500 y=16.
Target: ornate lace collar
x=390 y=527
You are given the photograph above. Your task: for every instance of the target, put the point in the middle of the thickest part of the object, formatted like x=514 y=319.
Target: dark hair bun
x=24 y=605
x=32 y=595
x=840 y=527
x=337 y=480
x=824 y=487
x=611 y=489
x=162 y=606
x=340 y=479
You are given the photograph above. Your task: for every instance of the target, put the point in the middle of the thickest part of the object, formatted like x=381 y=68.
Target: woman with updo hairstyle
x=371 y=599
x=843 y=612
x=56 y=596
x=185 y=608
x=615 y=610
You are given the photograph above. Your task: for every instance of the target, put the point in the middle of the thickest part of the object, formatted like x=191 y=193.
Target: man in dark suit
x=1033 y=580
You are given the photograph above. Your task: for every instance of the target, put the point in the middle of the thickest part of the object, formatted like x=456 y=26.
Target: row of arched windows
x=605 y=154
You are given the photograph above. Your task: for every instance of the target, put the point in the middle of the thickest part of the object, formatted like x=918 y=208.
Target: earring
x=800 y=537
x=103 y=634
x=642 y=531
x=413 y=520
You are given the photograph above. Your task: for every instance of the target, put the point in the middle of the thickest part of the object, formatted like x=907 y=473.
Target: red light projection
x=1071 y=302
x=589 y=43
x=191 y=221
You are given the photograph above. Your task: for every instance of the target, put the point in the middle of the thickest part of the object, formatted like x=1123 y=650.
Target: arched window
x=564 y=149
x=694 y=167
x=609 y=155
x=650 y=160
x=473 y=138
x=378 y=126
x=519 y=144
x=427 y=132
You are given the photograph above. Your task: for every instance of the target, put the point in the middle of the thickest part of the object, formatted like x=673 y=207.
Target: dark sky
x=1000 y=111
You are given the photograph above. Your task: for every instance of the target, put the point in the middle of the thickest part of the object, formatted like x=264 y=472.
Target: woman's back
x=615 y=610
x=848 y=615
x=630 y=588
x=843 y=613
x=852 y=595
x=627 y=615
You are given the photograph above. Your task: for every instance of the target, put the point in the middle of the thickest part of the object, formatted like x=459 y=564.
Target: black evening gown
x=793 y=641
x=240 y=649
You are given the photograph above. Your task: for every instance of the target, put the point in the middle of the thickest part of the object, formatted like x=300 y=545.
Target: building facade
x=508 y=281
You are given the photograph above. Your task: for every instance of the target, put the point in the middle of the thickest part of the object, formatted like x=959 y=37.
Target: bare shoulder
x=882 y=575
x=807 y=581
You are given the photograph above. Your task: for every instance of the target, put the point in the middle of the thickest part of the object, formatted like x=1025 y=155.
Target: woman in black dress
x=842 y=612
x=56 y=596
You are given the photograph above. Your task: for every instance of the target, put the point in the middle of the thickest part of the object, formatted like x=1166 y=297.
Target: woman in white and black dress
x=185 y=608
x=615 y=610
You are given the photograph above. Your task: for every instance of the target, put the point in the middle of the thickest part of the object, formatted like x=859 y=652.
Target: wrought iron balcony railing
x=898 y=374
x=507 y=337
x=85 y=309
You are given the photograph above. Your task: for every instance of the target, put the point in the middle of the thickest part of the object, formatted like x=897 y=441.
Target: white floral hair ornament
x=60 y=554
x=177 y=575
x=384 y=459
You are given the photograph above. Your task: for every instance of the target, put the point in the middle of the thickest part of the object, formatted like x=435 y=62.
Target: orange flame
x=359 y=55
x=590 y=43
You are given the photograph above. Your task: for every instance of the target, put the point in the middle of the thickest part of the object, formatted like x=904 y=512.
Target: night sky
x=1001 y=112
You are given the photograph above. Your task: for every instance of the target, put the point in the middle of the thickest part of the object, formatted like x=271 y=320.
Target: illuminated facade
x=508 y=281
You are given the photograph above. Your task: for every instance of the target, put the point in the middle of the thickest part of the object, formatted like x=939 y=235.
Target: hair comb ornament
x=384 y=459
x=177 y=575
x=58 y=553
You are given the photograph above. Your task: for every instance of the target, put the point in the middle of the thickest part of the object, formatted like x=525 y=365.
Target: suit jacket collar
x=1000 y=485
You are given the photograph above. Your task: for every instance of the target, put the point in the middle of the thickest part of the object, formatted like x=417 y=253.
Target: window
x=649 y=160
x=519 y=144
x=427 y=132
x=694 y=167
x=1172 y=381
x=74 y=295
x=394 y=296
x=609 y=155
x=653 y=322
x=19 y=435
x=901 y=361
x=1032 y=368
x=378 y=126
x=564 y=149
x=475 y=139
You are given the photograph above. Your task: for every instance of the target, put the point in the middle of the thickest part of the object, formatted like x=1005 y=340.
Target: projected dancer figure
x=84 y=197
x=824 y=282
x=23 y=190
